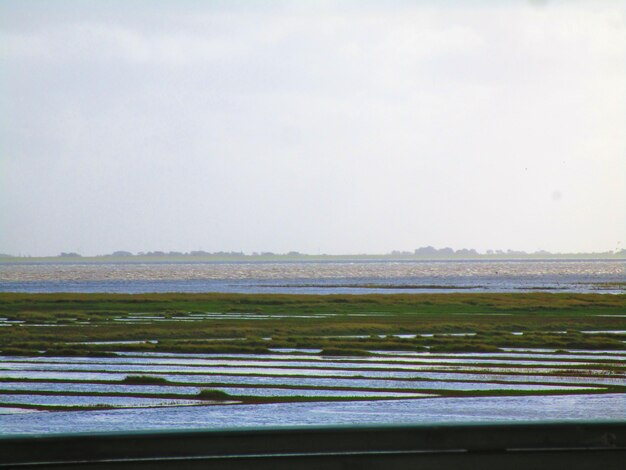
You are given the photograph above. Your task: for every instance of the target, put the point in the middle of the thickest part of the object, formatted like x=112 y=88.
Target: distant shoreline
x=133 y=259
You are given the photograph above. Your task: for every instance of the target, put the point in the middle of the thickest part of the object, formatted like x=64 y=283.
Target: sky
x=313 y=126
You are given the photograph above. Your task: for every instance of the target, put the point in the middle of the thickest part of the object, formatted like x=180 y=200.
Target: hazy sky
x=320 y=126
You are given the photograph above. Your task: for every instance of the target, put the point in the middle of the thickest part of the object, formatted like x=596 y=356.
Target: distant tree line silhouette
x=425 y=252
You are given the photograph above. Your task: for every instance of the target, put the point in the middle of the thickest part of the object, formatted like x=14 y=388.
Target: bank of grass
x=143 y=380
x=72 y=319
x=110 y=304
x=216 y=395
x=335 y=347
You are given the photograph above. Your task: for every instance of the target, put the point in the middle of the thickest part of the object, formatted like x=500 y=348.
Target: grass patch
x=286 y=322
x=210 y=394
x=143 y=380
x=465 y=347
x=344 y=352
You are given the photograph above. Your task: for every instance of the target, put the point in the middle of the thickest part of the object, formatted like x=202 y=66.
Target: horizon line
x=419 y=252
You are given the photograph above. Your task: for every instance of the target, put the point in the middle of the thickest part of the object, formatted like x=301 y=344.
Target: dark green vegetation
x=208 y=394
x=143 y=380
x=62 y=324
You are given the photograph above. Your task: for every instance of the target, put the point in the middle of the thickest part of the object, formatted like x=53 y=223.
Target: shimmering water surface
x=316 y=277
x=424 y=410
x=28 y=384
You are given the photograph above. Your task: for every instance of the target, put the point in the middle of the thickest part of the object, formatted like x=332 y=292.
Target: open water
x=317 y=277
x=416 y=411
x=78 y=381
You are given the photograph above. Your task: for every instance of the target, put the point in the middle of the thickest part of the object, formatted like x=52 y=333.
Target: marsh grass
x=143 y=380
x=210 y=394
x=344 y=352
x=80 y=318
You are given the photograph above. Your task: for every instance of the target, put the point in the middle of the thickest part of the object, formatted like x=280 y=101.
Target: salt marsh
x=437 y=358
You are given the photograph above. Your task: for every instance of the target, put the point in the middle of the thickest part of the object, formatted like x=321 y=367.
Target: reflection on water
x=420 y=376
x=315 y=277
x=420 y=411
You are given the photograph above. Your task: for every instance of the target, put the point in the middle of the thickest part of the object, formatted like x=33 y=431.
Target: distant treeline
x=423 y=253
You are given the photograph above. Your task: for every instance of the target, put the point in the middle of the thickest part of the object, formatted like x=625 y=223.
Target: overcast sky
x=326 y=126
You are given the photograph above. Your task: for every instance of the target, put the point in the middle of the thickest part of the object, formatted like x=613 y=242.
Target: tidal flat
x=113 y=353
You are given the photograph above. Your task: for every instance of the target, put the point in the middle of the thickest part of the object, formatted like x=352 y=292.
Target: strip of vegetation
x=484 y=340
x=209 y=394
x=144 y=380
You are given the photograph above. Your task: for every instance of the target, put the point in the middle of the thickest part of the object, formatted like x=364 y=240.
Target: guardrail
x=574 y=445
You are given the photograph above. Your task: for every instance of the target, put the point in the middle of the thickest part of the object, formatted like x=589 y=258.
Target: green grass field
x=61 y=324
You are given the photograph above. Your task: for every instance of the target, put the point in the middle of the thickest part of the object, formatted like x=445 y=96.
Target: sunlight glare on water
x=315 y=277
